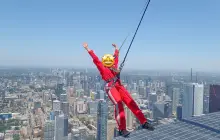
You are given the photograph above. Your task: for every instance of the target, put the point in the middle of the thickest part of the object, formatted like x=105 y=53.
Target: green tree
x=16 y=137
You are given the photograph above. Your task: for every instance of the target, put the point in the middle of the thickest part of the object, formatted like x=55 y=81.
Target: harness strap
x=113 y=80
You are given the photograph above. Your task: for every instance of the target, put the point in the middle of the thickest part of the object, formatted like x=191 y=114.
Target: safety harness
x=114 y=79
x=117 y=77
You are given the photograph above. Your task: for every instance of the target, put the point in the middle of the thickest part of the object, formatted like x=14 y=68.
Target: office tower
x=147 y=92
x=162 y=109
x=61 y=127
x=65 y=127
x=59 y=90
x=175 y=99
x=110 y=129
x=79 y=93
x=65 y=108
x=81 y=106
x=152 y=100
x=92 y=107
x=214 y=98
x=49 y=127
x=98 y=86
x=142 y=91
x=63 y=98
x=179 y=112
x=206 y=104
x=192 y=100
x=129 y=118
x=102 y=117
x=101 y=94
x=56 y=105
x=52 y=115
x=49 y=130
x=134 y=86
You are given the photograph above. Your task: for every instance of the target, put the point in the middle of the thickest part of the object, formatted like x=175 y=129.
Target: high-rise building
x=56 y=105
x=129 y=118
x=49 y=130
x=102 y=117
x=179 y=112
x=65 y=108
x=192 y=100
x=98 y=86
x=152 y=100
x=63 y=98
x=59 y=90
x=162 y=109
x=92 y=107
x=147 y=92
x=110 y=129
x=142 y=91
x=61 y=127
x=81 y=107
x=175 y=99
x=66 y=127
x=134 y=86
x=52 y=115
x=214 y=98
x=101 y=94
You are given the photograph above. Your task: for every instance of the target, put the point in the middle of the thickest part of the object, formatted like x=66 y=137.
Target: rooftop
x=206 y=127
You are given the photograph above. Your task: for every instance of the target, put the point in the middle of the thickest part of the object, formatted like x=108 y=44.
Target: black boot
x=148 y=126
x=124 y=133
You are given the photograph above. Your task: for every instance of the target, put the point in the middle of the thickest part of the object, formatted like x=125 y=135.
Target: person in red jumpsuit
x=117 y=93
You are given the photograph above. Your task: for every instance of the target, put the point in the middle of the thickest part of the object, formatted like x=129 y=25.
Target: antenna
x=196 y=77
x=191 y=75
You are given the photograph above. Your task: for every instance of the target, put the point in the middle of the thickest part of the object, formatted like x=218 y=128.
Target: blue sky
x=174 y=34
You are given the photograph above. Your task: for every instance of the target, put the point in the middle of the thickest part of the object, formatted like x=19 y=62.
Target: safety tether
x=123 y=43
x=122 y=64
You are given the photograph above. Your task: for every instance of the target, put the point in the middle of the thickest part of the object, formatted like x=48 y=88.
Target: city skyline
x=71 y=104
x=173 y=35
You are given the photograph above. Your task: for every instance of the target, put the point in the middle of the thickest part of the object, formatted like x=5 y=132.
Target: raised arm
x=96 y=60
x=116 y=55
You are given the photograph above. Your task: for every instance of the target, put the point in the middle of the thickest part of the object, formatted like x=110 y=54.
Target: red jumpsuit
x=117 y=93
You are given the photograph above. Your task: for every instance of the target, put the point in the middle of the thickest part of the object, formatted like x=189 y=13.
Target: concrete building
x=65 y=108
x=175 y=99
x=49 y=128
x=61 y=127
x=192 y=100
x=129 y=118
x=102 y=117
x=56 y=105
x=214 y=98
x=110 y=129
x=81 y=107
x=63 y=98
x=162 y=110
x=92 y=107
x=152 y=100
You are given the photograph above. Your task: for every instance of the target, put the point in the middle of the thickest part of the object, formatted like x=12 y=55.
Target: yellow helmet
x=108 y=60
